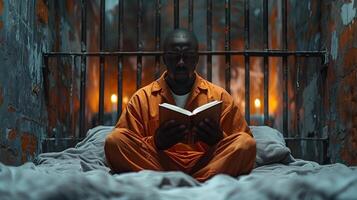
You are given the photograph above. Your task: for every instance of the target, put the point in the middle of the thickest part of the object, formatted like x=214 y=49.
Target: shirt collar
x=161 y=85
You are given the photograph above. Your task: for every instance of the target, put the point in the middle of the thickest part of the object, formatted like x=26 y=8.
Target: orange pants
x=234 y=155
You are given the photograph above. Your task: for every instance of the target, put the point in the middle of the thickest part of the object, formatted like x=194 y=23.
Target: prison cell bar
x=71 y=94
x=82 y=106
x=209 y=40
x=139 y=43
x=157 y=36
x=266 y=62
x=83 y=55
x=285 y=67
x=120 y=57
x=227 y=53
x=227 y=43
x=297 y=92
x=190 y=15
x=45 y=72
x=176 y=14
x=247 y=61
x=255 y=53
x=101 y=61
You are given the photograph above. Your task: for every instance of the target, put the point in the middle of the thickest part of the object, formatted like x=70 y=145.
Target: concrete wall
x=28 y=28
x=339 y=36
x=327 y=98
x=23 y=37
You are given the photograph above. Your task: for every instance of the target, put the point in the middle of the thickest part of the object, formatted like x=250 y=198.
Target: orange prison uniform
x=130 y=146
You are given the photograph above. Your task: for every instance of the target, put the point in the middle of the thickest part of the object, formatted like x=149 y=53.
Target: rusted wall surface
x=306 y=116
x=27 y=28
x=23 y=36
x=326 y=97
x=340 y=38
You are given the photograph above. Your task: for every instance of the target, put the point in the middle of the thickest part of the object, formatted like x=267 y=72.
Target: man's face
x=181 y=58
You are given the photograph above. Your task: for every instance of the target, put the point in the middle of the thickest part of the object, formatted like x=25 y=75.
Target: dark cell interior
x=69 y=66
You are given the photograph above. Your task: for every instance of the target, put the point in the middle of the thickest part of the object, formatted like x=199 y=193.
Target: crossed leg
x=126 y=152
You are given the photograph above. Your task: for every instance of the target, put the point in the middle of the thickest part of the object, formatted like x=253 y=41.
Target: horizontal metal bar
x=257 y=53
x=59 y=144
x=309 y=139
x=285 y=138
x=63 y=139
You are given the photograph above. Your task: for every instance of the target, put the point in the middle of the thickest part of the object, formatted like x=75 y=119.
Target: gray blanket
x=81 y=173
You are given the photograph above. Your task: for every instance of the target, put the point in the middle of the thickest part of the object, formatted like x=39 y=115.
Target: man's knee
x=115 y=147
x=245 y=152
x=245 y=144
x=115 y=142
x=250 y=143
x=116 y=139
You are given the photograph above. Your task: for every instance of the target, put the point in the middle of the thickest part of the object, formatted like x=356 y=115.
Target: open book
x=210 y=110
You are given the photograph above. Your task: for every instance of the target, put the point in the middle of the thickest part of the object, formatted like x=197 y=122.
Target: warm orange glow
x=257 y=103
x=125 y=100
x=114 y=98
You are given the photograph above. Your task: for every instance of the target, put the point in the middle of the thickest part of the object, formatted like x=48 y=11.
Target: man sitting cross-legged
x=139 y=142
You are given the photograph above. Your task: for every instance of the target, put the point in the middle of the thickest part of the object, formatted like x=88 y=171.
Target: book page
x=176 y=108
x=205 y=106
x=212 y=111
x=171 y=112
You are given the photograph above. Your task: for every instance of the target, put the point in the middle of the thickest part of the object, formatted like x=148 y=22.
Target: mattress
x=81 y=173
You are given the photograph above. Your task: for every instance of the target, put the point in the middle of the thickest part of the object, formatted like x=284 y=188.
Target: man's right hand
x=169 y=134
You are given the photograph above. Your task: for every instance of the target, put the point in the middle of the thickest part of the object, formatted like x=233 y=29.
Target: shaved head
x=180 y=35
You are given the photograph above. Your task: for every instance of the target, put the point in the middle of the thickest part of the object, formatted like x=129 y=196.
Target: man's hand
x=169 y=134
x=208 y=131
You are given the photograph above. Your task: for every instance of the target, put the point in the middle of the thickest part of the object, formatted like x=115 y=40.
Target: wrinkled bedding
x=81 y=173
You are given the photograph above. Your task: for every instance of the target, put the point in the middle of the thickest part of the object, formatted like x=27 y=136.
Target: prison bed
x=81 y=173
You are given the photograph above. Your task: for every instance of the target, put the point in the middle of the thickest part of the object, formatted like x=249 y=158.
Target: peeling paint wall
x=306 y=115
x=327 y=97
x=22 y=118
x=26 y=30
x=340 y=39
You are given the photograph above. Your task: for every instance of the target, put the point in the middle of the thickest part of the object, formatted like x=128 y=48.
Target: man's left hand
x=208 y=131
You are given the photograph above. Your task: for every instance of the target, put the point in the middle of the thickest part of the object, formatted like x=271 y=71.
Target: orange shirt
x=141 y=115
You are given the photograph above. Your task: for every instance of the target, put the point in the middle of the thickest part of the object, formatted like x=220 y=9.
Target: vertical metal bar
x=82 y=96
x=266 y=63
x=246 y=61
x=227 y=44
x=71 y=94
x=285 y=68
x=45 y=74
x=101 y=61
x=120 y=58
x=157 y=36
x=139 y=44
x=297 y=95
x=209 y=39
x=190 y=15
x=176 y=14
